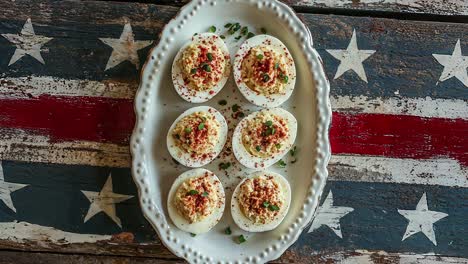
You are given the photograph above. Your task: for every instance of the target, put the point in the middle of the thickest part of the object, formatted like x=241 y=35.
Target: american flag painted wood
x=398 y=176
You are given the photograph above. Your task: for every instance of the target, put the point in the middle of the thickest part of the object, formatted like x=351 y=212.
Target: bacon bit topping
x=197 y=134
x=263 y=135
x=196 y=198
x=260 y=198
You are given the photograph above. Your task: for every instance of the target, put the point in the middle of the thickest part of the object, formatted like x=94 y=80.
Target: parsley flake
x=281 y=164
x=192 y=192
x=241 y=239
x=212 y=29
x=228 y=231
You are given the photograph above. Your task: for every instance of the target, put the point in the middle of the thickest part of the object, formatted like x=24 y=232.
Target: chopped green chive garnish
x=260 y=56
x=258 y=148
x=250 y=34
x=222 y=36
x=241 y=239
x=192 y=192
x=273 y=130
x=269 y=123
x=195 y=34
x=201 y=126
x=293 y=151
x=244 y=30
x=240 y=114
x=238 y=37
x=192 y=234
x=234 y=28
x=228 y=231
x=228 y=25
x=204 y=194
x=235 y=108
x=212 y=29
x=266 y=204
x=276 y=65
x=206 y=68
x=285 y=79
x=263 y=30
x=188 y=129
x=203 y=118
x=273 y=207
x=281 y=163
x=224 y=166
x=265 y=77
x=278 y=146
x=222 y=102
x=209 y=56
x=193 y=71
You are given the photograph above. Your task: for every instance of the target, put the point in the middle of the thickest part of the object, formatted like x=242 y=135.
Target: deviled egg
x=196 y=201
x=264 y=71
x=197 y=136
x=201 y=68
x=261 y=201
x=263 y=137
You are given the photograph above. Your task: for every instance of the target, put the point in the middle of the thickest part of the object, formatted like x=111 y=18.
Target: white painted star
x=421 y=220
x=330 y=215
x=6 y=188
x=455 y=65
x=27 y=42
x=351 y=58
x=125 y=48
x=104 y=201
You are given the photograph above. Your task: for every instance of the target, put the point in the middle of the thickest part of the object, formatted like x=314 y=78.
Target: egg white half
x=253 y=162
x=210 y=221
x=184 y=157
x=248 y=225
x=272 y=100
x=177 y=76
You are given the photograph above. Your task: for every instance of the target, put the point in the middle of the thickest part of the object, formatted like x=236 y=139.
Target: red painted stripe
x=399 y=136
x=112 y=120
x=71 y=118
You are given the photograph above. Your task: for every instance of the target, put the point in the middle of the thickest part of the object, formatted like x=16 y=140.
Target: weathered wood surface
x=76 y=116
x=431 y=7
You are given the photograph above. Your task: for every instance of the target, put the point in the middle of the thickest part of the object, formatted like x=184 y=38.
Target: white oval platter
x=157 y=105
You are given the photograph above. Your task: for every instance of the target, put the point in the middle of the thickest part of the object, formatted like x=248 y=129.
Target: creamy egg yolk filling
x=261 y=199
x=264 y=70
x=265 y=134
x=197 y=133
x=202 y=65
x=197 y=198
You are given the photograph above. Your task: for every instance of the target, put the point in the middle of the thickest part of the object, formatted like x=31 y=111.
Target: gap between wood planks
x=335 y=11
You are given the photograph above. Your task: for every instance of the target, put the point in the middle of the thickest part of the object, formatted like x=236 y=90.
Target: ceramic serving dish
x=157 y=105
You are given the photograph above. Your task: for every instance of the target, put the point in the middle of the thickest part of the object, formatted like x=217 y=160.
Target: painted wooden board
x=398 y=176
x=431 y=7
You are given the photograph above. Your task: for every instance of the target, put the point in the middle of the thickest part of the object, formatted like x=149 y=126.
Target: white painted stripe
x=25 y=87
x=18 y=145
x=375 y=257
x=423 y=107
x=445 y=172
x=23 y=232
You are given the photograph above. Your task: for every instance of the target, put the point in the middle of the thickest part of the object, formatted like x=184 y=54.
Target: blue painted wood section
x=54 y=198
x=375 y=223
x=403 y=59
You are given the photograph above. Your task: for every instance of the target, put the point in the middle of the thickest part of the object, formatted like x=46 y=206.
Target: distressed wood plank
x=431 y=7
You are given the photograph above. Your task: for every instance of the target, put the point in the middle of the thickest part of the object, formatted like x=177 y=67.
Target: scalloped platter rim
x=157 y=105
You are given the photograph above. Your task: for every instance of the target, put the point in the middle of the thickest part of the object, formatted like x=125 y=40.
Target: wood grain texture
x=402 y=72
x=357 y=256
x=432 y=7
